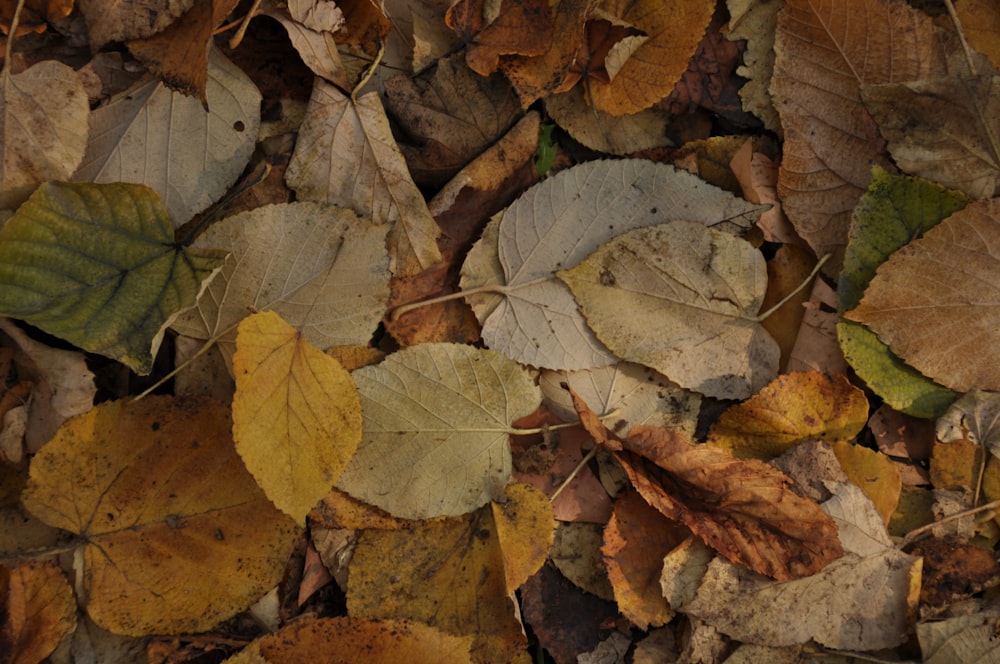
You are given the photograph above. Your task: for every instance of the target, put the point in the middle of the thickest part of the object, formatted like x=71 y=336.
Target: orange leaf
x=741 y=508
x=38 y=611
x=523 y=27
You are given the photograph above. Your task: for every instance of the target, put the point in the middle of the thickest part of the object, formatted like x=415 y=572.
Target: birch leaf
x=97 y=265
x=296 y=413
x=323 y=269
x=555 y=225
x=680 y=298
x=436 y=421
x=346 y=155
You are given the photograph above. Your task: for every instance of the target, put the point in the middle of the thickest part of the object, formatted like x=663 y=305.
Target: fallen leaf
x=35 y=14
x=576 y=553
x=159 y=497
x=981 y=24
x=323 y=269
x=447 y=573
x=816 y=345
x=963 y=638
x=97 y=265
x=635 y=539
x=905 y=439
x=873 y=472
x=436 y=422
x=168 y=141
x=787 y=270
x=556 y=224
x=296 y=413
x=743 y=509
x=38 y=611
x=824 y=54
x=449 y=118
x=953 y=572
x=836 y=607
x=318 y=49
x=365 y=24
x=525 y=528
x=973 y=417
x=860 y=527
x=43 y=128
x=674 y=31
x=757 y=174
x=931 y=302
x=338 y=640
x=790 y=410
x=374 y=181
x=129 y=19
x=943 y=129
x=692 y=292
x=603 y=132
x=519 y=27
x=756 y=22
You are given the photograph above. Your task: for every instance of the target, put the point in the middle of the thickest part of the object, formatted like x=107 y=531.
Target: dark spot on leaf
x=239 y=126
x=607 y=279
x=156 y=426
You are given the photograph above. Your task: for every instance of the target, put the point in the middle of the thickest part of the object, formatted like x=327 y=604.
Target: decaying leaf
x=323 y=269
x=792 y=409
x=129 y=19
x=743 y=509
x=43 y=128
x=680 y=298
x=97 y=265
x=436 y=422
x=492 y=29
x=756 y=22
x=447 y=573
x=159 y=497
x=168 y=141
x=933 y=301
x=37 y=611
x=317 y=48
x=296 y=413
x=368 y=175
x=974 y=417
x=558 y=223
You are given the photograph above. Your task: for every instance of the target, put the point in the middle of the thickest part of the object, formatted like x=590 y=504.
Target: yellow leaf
x=792 y=409
x=39 y=611
x=296 y=413
x=874 y=472
x=176 y=535
x=526 y=529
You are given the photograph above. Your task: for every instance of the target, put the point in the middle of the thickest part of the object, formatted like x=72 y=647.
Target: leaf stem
x=11 y=35
x=915 y=534
x=209 y=343
x=238 y=37
x=764 y=316
x=457 y=295
x=572 y=476
x=43 y=551
x=961 y=37
x=369 y=73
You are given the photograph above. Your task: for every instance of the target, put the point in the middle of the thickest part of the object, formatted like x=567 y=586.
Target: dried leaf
x=370 y=176
x=792 y=409
x=932 y=301
x=296 y=413
x=680 y=298
x=159 y=497
x=603 y=132
x=436 y=422
x=97 y=265
x=318 y=49
x=874 y=473
x=521 y=27
x=129 y=19
x=756 y=22
x=323 y=269
x=973 y=417
x=37 y=611
x=170 y=142
x=980 y=21
x=555 y=225
x=43 y=131
x=525 y=528
x=741 y=508
x=964 y=638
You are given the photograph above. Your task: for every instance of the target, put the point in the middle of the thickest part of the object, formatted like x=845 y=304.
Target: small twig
x=10 y=35
x=913 y=535
x=73 y=544
x=368 y=74
x=572 y=476
x=207 y=346
x=808 y=280
x=961 y=37
x=238 y=37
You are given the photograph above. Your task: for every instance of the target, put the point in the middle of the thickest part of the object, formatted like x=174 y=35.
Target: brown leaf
x=741 y=508
x=523 y=27
x=129 y=19
x=37 y=611
x=953 y=572
x=35 y=14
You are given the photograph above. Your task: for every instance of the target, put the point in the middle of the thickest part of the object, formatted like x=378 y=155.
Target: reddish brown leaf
x=523 y=27
x=741 y=508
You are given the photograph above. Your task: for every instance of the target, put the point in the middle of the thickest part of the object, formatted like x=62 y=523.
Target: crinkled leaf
x=296 y=413
x=680 y=298
x=974 y=417
x=436 y=421
x=160 y=497
x=97 y=265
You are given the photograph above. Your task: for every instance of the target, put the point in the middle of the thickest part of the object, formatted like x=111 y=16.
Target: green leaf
x=97 y=265
x=893 y=211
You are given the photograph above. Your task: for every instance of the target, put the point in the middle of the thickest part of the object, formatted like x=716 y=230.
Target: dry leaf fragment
x=743 y=509
x=318 y=49
x=522 y=27
x=296 y=413
x=129 y=19
x=933 y=302
x=345 y=155
x=37 y=611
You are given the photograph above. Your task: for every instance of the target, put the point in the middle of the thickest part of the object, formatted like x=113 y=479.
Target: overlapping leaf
x=97 y=265
x=37 y=611
x=323 y=269
x=558 y=223
x=436 y=421
x=159 y=497
x=296 y=413
x=681 y=298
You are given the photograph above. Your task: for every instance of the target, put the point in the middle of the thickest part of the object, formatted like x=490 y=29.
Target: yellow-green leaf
x=176 y=535
x=97 y=265
x=296 y=413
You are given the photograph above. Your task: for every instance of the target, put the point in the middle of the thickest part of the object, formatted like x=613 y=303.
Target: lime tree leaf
x=176 y=535
x=170 y=142
x=892 y=212
x=296 y=414
x=323 y=269
x=935 y=300
x=43 y=128
x=436 y=421
x=555 y=225
x=97 y=265
x=680 y=298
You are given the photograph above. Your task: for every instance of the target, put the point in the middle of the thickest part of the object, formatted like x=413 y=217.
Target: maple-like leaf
x=744 y=509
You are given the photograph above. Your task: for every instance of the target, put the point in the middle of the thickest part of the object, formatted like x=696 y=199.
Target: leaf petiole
x=805 y=282
x=207 y=346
